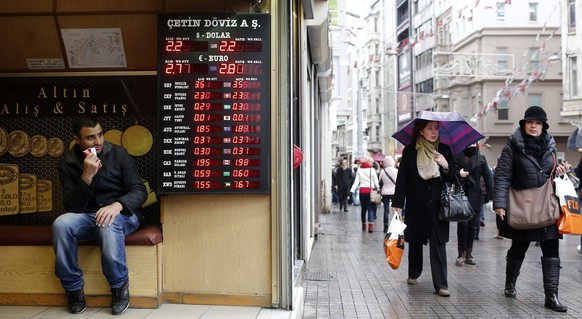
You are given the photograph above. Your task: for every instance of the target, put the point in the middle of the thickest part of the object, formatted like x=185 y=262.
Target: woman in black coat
x=423 y=167
x=471 y=166
x=527 y=161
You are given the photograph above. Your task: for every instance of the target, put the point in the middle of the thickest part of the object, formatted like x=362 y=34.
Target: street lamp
x=555 y=57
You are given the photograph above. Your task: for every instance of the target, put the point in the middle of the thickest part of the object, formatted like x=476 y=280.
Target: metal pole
x=359 y=137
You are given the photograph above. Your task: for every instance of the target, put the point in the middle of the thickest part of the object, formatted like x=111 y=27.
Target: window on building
x=573 y=61
x=421 y=4
x=500 y=11
x=535 y=99
x=571 y=15
x=424 y=59
x=425 y=86
x=502 y=65
x=534 y=59
x=533 y=12
x=503 y=109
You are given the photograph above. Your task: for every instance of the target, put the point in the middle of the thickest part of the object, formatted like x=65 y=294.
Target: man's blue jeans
x=71 y=228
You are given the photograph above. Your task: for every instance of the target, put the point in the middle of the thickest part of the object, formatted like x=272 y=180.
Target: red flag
x=508 y=1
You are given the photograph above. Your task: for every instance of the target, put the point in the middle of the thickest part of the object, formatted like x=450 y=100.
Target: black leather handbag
x=455 y=206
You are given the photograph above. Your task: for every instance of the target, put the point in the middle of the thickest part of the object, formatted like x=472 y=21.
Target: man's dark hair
x=83 y=121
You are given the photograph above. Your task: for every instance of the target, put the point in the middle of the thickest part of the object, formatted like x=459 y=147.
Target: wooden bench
x=27 y=262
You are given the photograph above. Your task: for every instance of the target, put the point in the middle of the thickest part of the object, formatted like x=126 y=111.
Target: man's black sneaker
x=120 y=298
x=76 y=301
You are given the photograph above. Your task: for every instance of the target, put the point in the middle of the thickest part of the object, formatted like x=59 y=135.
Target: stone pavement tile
x=362 y=285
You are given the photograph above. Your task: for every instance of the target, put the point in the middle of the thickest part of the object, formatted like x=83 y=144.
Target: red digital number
x=244 y=106
x=201 y=173
x=202 y=162
x=246 y=184
x=246 y=162
x=177 y=68
x=202 y=151
x=206 y=184
x=245 y=173
x=245 y=139
x=246 y=129
x=246 y=151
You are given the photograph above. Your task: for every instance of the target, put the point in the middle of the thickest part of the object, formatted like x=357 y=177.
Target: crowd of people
x=411 y=186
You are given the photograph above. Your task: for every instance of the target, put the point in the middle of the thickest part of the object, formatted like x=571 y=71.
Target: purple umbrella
x=454 y=130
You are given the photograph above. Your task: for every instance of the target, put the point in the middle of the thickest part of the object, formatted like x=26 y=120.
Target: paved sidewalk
x=348 y=277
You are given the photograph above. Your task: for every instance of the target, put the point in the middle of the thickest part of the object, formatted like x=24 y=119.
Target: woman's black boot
x=551 y=272
x=512 y=268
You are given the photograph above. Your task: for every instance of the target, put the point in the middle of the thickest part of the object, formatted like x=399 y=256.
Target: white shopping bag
x=564 y=189
x=396 y=227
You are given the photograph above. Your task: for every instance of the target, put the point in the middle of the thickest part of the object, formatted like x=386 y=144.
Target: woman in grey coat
x=527 y=161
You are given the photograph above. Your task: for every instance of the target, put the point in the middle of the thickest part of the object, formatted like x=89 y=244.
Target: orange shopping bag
x=570 y=221
x=394 y=242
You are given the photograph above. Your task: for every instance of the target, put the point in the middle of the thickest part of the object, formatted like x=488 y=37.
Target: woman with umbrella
x=528 y=161
x=423 y=169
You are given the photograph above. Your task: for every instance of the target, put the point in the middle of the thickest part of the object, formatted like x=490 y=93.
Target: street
x=348 y=277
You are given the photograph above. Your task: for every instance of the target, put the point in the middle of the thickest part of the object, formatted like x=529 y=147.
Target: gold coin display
x=27 y=193
x=38 y=146
x=137 y=140
x=3 y=141
x=113 y=136
x=9 y=176
x=19 y=143
x=56 y=147
x=44 y=195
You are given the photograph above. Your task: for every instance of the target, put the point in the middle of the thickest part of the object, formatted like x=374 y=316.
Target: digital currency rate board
x=213 y=103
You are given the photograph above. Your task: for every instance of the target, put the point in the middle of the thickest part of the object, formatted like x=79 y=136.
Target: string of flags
x=409 y=43
x=506 y=92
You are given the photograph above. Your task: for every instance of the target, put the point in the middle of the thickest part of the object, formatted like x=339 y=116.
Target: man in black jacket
x=103 y=193
x=343 y=183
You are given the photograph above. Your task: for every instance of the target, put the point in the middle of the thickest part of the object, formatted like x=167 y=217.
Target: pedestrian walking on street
x=423 y=169
x=471 y=167
x=334 y=195
x=388 y=180
x=366 y=179
x=527 y=161
x=343 y=183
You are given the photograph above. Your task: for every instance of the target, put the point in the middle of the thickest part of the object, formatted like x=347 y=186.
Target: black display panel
x=213 y=103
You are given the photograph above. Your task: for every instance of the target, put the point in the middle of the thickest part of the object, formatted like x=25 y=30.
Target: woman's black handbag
x=455 y=205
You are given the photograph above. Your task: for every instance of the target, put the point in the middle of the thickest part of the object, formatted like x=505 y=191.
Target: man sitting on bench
x=103 y=193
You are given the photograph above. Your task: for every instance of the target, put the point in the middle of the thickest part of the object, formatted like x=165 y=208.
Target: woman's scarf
x=535 y=146
x=427 y=167
x=366 y=165
x=471 y=158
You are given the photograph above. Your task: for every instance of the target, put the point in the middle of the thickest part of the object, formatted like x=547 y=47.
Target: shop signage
x=68 y=96
x=213 y=103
